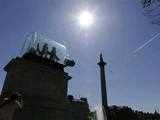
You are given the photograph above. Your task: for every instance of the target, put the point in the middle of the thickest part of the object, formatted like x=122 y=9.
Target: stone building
x=39 y=76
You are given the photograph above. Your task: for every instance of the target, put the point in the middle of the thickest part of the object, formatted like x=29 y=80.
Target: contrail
x=145 y=44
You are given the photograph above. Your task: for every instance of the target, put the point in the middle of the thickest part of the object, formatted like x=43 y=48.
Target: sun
x=85 y=19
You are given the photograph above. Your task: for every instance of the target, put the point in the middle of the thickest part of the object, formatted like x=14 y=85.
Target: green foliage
x=92 y=116
x=126 y=113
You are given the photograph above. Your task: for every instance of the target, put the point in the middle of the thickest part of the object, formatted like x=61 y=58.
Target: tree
x=146 y=3
x=151 y=9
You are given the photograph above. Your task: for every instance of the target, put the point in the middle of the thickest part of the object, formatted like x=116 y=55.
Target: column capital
x=101 y=62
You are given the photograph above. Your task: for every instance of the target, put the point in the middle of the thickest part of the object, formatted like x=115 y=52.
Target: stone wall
x=43 y=86
x=79 y=109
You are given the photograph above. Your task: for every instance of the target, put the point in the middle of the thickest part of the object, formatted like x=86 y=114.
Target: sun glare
x=85 y=19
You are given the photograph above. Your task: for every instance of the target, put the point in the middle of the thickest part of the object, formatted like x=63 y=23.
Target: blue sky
x=119 y=29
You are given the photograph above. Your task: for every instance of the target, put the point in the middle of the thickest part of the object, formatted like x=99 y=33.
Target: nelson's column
x=102 y=64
